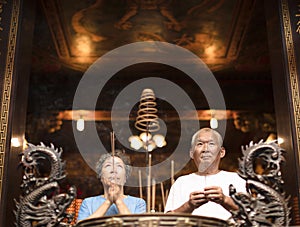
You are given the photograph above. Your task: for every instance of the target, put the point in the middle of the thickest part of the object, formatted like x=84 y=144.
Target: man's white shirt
x=184 y=185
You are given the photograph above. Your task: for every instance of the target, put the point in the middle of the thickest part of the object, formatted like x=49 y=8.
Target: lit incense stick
x=162 y=194
x=140 y=184
x=172 y=172
x=112 y=143
x=153 y=195
x=149 y=185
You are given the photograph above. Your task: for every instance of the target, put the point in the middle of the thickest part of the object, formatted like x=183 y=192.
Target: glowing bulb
x=133 y=138
x=213 y=123
x=150 y=146
x=145 y=137
x=280 y=140
x=159 y=140
x=80 y=125
x=135 y=142
x=15 y=142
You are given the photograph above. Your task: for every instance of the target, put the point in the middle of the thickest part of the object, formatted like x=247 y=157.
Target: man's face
x=114 y=171
x=207 y=152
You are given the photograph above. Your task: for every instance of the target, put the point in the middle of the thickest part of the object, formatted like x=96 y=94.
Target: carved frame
x=7 y=79
x=9 y=28
x=292 y=75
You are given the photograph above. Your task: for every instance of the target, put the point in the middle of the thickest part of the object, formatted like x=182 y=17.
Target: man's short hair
x=216 y=133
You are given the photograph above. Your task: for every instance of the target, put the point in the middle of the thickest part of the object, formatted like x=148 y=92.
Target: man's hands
x=214 y=194
x=211 y=193
x=197 y=198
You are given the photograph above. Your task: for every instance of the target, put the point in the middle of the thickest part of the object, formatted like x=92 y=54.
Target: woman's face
x=113 y=171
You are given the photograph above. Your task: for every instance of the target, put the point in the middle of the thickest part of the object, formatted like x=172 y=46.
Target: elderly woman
x=112 y=172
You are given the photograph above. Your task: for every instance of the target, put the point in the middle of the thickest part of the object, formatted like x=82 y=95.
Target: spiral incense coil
x=147 y=119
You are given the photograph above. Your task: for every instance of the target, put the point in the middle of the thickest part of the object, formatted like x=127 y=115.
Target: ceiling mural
x=82 y=31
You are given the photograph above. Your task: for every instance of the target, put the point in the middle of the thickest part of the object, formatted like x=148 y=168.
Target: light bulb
x=15 y=142
x=135 y=142
x=150 y=146
x=213 y=123
x=164 y=143
x=159 y=140
x=145 y=136
x=280 y=140
x=80 y=125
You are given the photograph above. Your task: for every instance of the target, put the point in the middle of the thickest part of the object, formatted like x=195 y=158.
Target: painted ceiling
x=215 y=30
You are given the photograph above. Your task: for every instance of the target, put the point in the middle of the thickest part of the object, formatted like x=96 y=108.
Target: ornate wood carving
x=265 y=204
x=292 y=71
x=42 y=203
x=7 y=78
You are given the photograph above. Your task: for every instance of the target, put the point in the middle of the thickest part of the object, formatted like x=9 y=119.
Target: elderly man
x=205 y=192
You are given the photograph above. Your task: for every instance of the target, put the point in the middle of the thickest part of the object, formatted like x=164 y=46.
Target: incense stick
x=112 y=143
x=162 y=194
x=149 y=185
x=172 y=172
x=153 y=195
x=140 y=184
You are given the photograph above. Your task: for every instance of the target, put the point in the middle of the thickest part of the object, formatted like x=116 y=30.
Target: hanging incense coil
x=147 y=119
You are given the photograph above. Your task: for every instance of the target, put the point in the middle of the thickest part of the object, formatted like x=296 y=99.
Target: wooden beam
x=105 y=115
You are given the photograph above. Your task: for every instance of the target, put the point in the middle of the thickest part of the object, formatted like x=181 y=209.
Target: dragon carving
x=41 y=203
x=266 y=203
